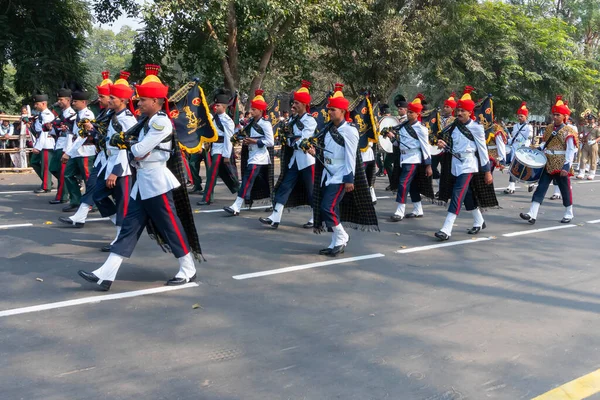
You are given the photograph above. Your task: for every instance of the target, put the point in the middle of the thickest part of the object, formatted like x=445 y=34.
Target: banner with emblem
x=233 y=109
x=274 y=113
x=192 y=120
x=364 y=119
x=319 y=112
x=484 y=111
x=431 y=120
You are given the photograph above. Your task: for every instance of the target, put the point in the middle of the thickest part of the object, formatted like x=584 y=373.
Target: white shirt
x=340 y=160
x=259 y=155
x=521 y=136
x=226 y=147
x=118 y=162
x=415 y=151
x=467 y=149
x=44 y=140
x=501 y=147
x=153 y=176
x=299 y=157
x=65 y=137
x=77 y=148
x=7 y=130
x=368 y=154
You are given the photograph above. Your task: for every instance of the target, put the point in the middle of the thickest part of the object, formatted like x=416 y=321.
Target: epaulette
x=128 y=113
x=161 y=113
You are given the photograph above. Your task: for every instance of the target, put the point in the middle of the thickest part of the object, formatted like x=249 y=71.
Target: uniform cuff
x=486 y=167
x=348 y=178
x=427 y=161
x=260 y=143
x=566 y=167
x=118 y=170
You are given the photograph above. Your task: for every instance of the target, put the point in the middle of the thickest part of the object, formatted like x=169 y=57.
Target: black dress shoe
x=375 y=203
x=565 y=220
x=527 y=218
x=325 y=251
x=268 y=221
x=442 y=236
x=57 y=201
x=88 y=276
x=509 y=191
x=413 y=215
x=269 y=209
x=388 y=188
x=180 y=281
x=308 y=225
x=530 y=188
x=204 y=203
x=396 y=218
x=94 y=209
x=475 y=230
x=70 y=208
x=337 y=250
x=38 y=191
x=231 y=211
x=69 y=221
x=106 y=249
x=437 y=195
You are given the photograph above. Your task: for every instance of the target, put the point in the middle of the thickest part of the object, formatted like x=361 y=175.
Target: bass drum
x=384 y=142
x=527 y=165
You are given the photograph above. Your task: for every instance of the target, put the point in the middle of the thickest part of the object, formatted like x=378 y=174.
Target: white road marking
x=502 y=188
x=94 y=299
x=97 y=219
x=242 y=209
x=552 y=228
x=18 y=192
x=306 y=266
x=596 y=221
x=584 y=182
x=14 y=226
x=446 y=244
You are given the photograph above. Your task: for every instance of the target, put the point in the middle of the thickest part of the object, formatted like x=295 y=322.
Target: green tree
x=108 y=51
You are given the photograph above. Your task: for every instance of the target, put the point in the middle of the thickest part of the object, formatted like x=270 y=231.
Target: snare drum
x=527 y=165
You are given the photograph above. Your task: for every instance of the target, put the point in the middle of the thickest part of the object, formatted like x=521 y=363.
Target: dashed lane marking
x=306 y=266
x=577 y=389
x=528 y=232
x=14 y=226
x=446 y=244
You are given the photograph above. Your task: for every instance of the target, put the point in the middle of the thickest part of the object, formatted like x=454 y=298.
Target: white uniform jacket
x=415 y=151
x=77 y=148
x=226 y=133
x=118 y=162
x=340 y=160
x=258 y=154
x=474 y=155
x=153 y=176
x=521 y=137
x=309 y=124
x=44 y=140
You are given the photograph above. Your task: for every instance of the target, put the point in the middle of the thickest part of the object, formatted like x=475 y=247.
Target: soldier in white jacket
x=260 y=137
x=522 y=135
x=64 y=134
x=221 y=151
x=151 y=195
x=301 y=165
x=44 y=143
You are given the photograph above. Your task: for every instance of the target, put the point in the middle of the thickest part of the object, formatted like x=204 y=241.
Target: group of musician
x=323 y=168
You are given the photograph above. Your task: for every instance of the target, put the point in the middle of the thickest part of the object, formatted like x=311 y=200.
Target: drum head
x=533 y=158
x=386 y=144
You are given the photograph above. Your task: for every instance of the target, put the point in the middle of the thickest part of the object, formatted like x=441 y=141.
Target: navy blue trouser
x=120 y=193
x=408 y=185
x=563 y=182
x=90 y=186
x=291 y=177
x=161 y=210
x=250 y=174
x=331 y=196
x=462 y=193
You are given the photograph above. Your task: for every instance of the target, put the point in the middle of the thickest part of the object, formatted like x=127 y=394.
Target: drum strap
x=517 y=134
x=411 y=131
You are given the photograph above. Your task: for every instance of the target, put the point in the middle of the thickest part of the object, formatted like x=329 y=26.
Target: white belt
x=466 y=155
x=150 y=164
x=410 y=151
x=334 y=161
x=492 y=147
x=555 y=152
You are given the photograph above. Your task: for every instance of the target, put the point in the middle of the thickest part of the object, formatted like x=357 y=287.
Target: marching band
x=130 y=162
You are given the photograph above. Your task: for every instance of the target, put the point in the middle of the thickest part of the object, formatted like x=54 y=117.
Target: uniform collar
x=120 y=112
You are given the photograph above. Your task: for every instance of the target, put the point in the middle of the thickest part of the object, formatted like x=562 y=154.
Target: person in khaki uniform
x=589 y=149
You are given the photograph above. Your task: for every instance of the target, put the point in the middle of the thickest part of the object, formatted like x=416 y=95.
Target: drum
x=434 y=150
x=527 y=165
x=384 y=142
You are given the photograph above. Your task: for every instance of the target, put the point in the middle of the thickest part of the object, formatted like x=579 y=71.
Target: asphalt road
x=510 y=317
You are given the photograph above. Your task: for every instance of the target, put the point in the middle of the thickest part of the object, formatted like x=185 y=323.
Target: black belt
x=220 y=139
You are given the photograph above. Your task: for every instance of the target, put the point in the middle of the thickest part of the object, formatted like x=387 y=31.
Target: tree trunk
x=228 y=77
x=232 y=49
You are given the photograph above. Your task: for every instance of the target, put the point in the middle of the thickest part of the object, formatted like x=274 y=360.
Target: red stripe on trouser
x=410 y=172
x=248 y=181
x=187 y=169
x=332 y=209
x=45 y=171
x=61 y=181
x=462 y=194
x=86 y=168
x=175 y=227
x=312 y=172
x=126 y=194
x=213 y=177
x=208 y=159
